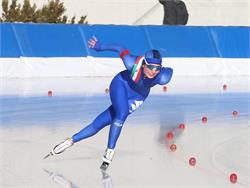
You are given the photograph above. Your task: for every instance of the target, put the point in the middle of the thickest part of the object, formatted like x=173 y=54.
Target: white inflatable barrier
x=27 y=67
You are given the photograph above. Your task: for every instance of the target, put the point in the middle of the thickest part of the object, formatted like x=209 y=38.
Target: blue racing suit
x=128 y=90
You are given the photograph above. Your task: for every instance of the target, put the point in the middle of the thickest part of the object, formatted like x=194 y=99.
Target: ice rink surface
x=31 y=124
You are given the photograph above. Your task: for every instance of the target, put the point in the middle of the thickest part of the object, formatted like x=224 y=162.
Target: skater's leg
x=100 y=122
x=119 y=98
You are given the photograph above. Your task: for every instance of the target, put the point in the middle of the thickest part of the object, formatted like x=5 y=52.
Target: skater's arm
x=98 y=46
x=165 y=75
x=124 y=53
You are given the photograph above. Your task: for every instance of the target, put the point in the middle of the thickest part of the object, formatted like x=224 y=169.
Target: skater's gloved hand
x=94 y=43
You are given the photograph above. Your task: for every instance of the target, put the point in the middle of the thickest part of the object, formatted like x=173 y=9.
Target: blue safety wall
x=59 y=40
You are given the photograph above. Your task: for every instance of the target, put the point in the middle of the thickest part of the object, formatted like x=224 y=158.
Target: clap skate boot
x=107 y=158
x=60 y=147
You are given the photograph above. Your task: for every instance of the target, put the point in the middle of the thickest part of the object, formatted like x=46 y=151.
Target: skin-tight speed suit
x=128 y=90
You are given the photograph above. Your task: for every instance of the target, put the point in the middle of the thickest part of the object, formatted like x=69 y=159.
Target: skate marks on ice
x=219 y=151
x=136 y=149
x=232 y=155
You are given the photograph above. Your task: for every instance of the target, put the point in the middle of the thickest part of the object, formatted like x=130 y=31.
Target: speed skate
x=60 y=148
x=107 y=158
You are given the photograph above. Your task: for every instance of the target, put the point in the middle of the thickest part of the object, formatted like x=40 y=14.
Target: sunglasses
x=153 y=67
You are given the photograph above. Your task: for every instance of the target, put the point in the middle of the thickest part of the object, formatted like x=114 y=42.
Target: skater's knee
x=118 y=122
x=121 y=116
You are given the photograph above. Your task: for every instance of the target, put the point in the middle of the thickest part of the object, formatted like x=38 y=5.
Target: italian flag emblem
x=136 y=71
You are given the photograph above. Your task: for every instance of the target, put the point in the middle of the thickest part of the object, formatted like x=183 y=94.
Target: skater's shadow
x=106 y=180
x=62 y=181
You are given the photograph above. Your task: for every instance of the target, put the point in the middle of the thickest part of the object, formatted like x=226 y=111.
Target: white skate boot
x=107 y=158
x=60 y=147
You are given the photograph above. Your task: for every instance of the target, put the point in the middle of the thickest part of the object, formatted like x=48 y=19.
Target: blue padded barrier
x=59 y=40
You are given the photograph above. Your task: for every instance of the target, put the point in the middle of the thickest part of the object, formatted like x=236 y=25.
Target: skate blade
x=104 y=166
x=50 y=154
